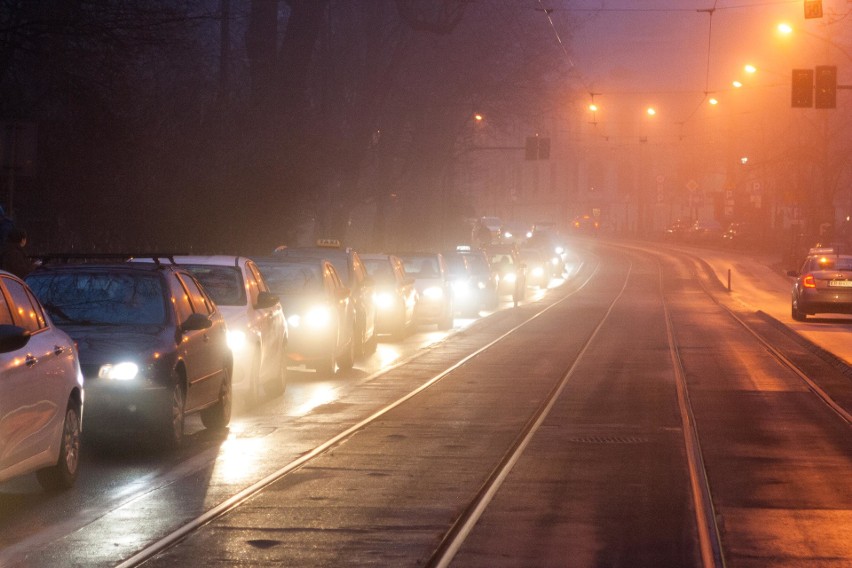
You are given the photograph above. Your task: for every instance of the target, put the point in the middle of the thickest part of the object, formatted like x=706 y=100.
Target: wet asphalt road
x=604 y=481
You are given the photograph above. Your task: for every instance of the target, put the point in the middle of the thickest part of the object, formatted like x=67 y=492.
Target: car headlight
x=384 y=300
x=461 y=287
x=318 y=316
x=554 y=261
x=538 y=271
x=294 y=320
x=119 y=372
x=236 y=339
x=481 y=285
x=434 y=292
x=558 y=250
x=509 y=277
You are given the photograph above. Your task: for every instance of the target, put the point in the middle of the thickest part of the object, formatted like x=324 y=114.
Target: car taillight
x=808 y=281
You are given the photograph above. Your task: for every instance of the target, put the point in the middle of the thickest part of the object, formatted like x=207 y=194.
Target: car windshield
x=478 y=264
x=338 y=258
x=101 y=298
x=456 y=265
x=292 y=278
x=830 y=263
x=421 y=266
x=502 y=260
x=379 y=270
x=223 y=283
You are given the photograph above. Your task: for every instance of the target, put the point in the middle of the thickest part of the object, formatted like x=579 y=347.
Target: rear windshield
x=288 y=279
x=828 y=263
x=224 y=283
x=91 y=298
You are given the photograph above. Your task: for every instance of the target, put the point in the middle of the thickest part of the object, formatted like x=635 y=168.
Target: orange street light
x=477 y=117
x=593 y=107
x=713 y=101
x=784 y=28
x=750 y=69
x=651 y=111
x=737 y=84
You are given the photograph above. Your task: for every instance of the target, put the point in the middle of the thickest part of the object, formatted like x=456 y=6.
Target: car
x=395 y=295
x=320 y=311
x=354 y=276
x=434 y=293
x=823 y=284
x=488 y=230
x=548 y=240
x=466 y=294
x=41 y=391
x=511 y=273
x=257 y=330
x=740 y=235
x=516 y=232
x=152 y=343
x=585 y=225
x=485 y=279
x=538 y=270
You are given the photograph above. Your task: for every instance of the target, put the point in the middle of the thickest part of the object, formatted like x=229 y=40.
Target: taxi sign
x=821 y=250
x=328 y=243
x=463 y=248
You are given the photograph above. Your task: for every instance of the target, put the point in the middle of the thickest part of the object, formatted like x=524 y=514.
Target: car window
x=199 y=301
x=421 y=266
x=334 y=280
x=101 y=298
x=380 y=270
x=5 y=309
x=341 y=266
x=358 y=269
x=829 y=263
x=292 y=278
x=478 y=264
x=223 y=283
x=28 y=313
x=257 y=278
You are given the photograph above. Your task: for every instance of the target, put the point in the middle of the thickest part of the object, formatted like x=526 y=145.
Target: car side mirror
x=266 y=300
x=12 y=338
x=196 y=322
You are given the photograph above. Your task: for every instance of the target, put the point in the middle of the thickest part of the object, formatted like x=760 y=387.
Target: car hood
x=99 y=344
x=298 y=303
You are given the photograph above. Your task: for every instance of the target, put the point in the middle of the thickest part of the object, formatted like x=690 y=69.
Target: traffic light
x=825 y=86
x=803 y=88
x=813 y=9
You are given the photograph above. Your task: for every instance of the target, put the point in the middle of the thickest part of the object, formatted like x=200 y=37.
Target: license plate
x=840 y=283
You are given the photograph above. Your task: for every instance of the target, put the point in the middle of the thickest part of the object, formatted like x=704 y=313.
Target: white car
x=257 y=330
x=41 y=391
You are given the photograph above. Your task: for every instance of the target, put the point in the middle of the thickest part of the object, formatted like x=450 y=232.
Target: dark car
x=538 y=269
x=153 y=345
x=320 y=311
x=351 y=271
x=823 y=285
x=485 y=278
x=395 y=296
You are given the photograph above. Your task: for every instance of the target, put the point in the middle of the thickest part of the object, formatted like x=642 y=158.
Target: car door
x=203 y=354
x=268 y=321
x=33 y=379
x=342 y=302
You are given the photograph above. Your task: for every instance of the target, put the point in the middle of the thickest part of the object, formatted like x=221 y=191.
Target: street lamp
x=750 y=69
x=651 y=111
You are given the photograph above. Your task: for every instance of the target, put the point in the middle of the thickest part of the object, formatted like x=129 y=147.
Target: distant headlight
x=538 y=271
x=554 y=261
x=559 y=250
x=509 y=277
x=119 y=371
x=294 y=321
x=384 y=300
x=434 y=292
x=481 y=285
x=507 y=235
x=529 y=234
x=236 y=339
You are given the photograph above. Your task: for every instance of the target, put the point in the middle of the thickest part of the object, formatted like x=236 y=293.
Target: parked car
x=152 y=344
x=354 y=276
x=320 y=311
x=41 y=391
x=395 y=295
x=823 y=284
x=257 y=331
x=434 y=293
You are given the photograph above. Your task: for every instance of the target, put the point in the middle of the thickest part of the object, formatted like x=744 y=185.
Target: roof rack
x=101 y=257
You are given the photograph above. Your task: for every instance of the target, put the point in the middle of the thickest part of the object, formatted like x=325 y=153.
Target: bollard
x=729 y=280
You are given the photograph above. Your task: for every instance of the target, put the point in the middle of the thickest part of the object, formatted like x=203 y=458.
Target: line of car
x=141 y=342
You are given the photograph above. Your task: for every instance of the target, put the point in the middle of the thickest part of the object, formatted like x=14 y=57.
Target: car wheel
x=276 y=386
x=359 y=339
x=347 y=358
x=218 y=416
x=173 y=428
x=797 y=315
x=327 y=365
x=64 y=473
x=372 y=343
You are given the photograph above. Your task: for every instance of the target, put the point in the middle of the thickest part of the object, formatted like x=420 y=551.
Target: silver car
x=41 y=391
x=823 y=285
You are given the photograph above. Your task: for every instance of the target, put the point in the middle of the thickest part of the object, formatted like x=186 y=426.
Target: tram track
x=223 y=508
x=709 y=541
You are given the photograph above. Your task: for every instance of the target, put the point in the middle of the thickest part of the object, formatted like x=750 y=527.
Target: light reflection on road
x=239 y=456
